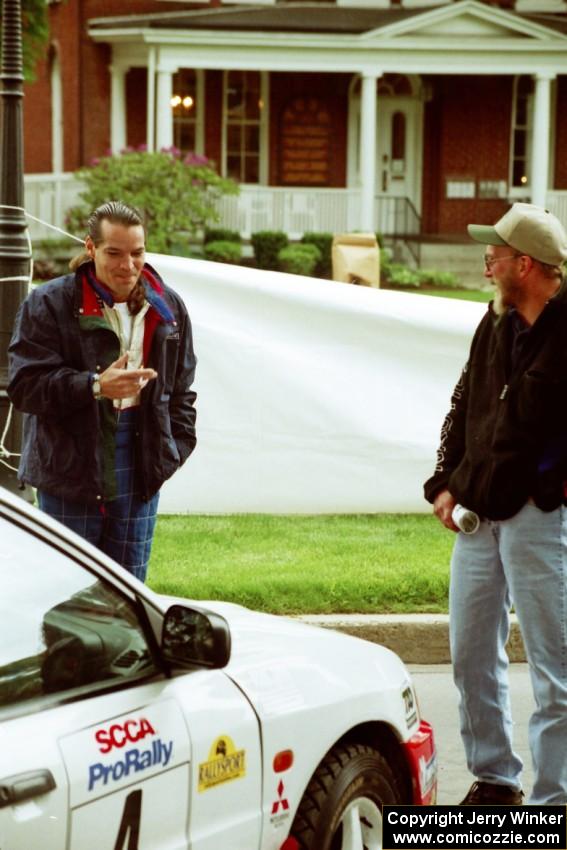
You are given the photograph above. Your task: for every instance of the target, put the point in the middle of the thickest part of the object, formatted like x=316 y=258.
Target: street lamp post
x=15 y=253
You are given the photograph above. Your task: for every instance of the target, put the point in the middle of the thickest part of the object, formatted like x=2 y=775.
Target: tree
x=35 y=31
x=176 y=195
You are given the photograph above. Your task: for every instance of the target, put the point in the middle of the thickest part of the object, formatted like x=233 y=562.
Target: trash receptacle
x=356 y=259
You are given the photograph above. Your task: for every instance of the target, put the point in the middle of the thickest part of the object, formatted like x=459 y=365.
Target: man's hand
x=120 y=382
x=443 y=509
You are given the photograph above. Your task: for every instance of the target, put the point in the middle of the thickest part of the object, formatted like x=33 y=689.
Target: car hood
x=280 y=661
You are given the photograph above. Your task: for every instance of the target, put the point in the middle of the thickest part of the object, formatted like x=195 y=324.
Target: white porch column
x=56 y=117
x=368 y=151
x=164 y=114
x=151 y=101
x=541 y=137
x=117 y=108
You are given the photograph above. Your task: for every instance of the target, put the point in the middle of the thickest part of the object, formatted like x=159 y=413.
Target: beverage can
x=465 y=520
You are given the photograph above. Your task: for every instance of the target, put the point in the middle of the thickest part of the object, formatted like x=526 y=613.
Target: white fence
x=293 y=210
x=47 y=197
x=557 y=204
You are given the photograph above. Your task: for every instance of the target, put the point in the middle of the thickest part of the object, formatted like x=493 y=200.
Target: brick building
x=363 y=114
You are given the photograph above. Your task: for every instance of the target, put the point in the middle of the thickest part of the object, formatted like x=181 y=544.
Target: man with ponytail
x=101 y=364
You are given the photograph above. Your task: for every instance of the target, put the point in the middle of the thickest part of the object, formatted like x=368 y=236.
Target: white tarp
x=313 y=396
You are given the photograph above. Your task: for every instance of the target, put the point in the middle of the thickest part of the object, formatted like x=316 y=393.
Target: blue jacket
x=60 y=339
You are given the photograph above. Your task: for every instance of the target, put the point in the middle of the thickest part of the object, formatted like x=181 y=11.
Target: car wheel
x=340 y=809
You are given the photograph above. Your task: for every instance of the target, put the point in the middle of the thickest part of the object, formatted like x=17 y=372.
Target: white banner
x=313 y=396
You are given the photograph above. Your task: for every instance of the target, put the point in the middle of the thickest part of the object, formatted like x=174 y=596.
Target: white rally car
x=132 y=721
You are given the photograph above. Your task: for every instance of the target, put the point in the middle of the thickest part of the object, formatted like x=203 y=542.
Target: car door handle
x=24 y=786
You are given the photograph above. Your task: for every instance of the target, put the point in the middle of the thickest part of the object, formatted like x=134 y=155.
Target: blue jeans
x=522 y=560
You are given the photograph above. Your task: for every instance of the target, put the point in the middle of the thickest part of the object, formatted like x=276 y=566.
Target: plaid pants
x=124 y=527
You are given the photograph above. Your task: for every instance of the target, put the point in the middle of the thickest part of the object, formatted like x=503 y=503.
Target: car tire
x=341 y=808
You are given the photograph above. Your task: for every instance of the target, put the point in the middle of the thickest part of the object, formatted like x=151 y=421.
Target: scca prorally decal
x=132 y=761
x=120 y=734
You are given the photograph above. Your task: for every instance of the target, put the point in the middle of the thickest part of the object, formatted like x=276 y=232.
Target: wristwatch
x=95 y=385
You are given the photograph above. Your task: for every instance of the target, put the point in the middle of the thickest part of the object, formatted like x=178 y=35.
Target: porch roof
x=282 y=17
x=465 y=37
x=289 y=16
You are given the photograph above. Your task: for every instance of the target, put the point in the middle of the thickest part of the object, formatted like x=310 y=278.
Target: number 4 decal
x=130 y=823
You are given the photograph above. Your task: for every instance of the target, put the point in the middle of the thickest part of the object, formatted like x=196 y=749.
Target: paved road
x=438 y=701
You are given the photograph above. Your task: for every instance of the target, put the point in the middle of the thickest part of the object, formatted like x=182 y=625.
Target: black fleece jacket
x=504 y=439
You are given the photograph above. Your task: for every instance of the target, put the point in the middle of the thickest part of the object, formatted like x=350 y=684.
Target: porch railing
x=293 y=210
x=556 y=202
x=298 y=210
x=400 y=223
x=48 y=197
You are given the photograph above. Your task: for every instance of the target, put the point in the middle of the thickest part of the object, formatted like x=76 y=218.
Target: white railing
x=48 y=197
x=293 y=210
x=556 y=203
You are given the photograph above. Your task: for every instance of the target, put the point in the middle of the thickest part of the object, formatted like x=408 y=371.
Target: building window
x=187 y=107
x=244 y=119
x=394 y=85
x=522 y=125
x=398 y=144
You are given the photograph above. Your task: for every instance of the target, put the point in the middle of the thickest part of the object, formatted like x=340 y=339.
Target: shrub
x=44 y=269
x=395 y=274
x=180 y=247
x=324 y=242
x=176 y=196
x=267 y=244
x=51 y=257
x=249 y=262
x=221 y=234
x=51 y=248
x=434 y=277
x=223 y=251
x=299 y=259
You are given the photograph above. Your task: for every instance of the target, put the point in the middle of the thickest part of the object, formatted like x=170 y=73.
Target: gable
x=466 y=25
x=466 y=19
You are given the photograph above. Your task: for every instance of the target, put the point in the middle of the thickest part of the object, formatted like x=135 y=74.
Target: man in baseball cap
x=503 y=455
x=529 y=229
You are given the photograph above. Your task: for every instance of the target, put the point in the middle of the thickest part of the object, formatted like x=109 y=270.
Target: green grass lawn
x=368 y=563
x=485 y=295
x=463 y=294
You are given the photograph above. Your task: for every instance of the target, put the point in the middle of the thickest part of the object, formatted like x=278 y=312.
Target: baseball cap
x=527 y=228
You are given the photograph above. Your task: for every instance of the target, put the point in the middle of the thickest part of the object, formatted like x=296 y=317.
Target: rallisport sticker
x=225 y=763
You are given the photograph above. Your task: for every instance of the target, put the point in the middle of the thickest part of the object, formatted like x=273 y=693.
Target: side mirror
x=191 y=637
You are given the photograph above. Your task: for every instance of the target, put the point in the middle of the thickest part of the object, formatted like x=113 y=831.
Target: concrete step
x=464 y=260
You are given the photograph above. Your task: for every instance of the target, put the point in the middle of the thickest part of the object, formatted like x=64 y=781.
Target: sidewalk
x=416 y=638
